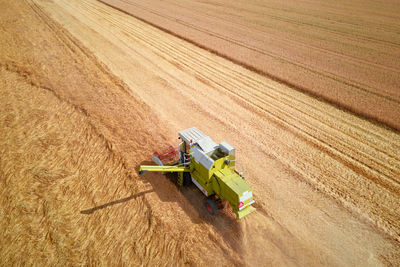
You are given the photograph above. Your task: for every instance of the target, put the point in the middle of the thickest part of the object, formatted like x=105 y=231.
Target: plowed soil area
x=345 y=52
x=88 y=93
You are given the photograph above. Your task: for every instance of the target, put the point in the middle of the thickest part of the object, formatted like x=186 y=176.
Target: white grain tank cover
x=201 y=144
x=192 y=134
x=207 y=144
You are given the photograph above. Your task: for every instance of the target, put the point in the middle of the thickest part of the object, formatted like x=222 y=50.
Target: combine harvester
x=211 y=167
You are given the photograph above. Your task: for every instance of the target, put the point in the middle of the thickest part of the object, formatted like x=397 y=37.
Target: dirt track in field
x=346 y=52
x=89 y=96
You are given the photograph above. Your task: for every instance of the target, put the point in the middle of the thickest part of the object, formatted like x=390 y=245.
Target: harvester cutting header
x=211 y=167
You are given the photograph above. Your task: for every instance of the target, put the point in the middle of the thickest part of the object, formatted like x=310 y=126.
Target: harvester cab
x=211 y=167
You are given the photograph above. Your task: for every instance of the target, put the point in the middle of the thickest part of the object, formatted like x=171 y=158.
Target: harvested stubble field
x=88 y=93
x=345 y=52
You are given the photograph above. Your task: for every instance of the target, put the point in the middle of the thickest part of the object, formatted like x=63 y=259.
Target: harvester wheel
x=187 y=179
x=211 y=206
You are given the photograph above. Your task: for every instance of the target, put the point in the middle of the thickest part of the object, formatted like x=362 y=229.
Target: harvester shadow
x=192 y=201
x=90 y=211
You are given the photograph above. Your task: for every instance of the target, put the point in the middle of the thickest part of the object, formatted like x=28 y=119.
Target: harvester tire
x=187 y=179
x=211 y=206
